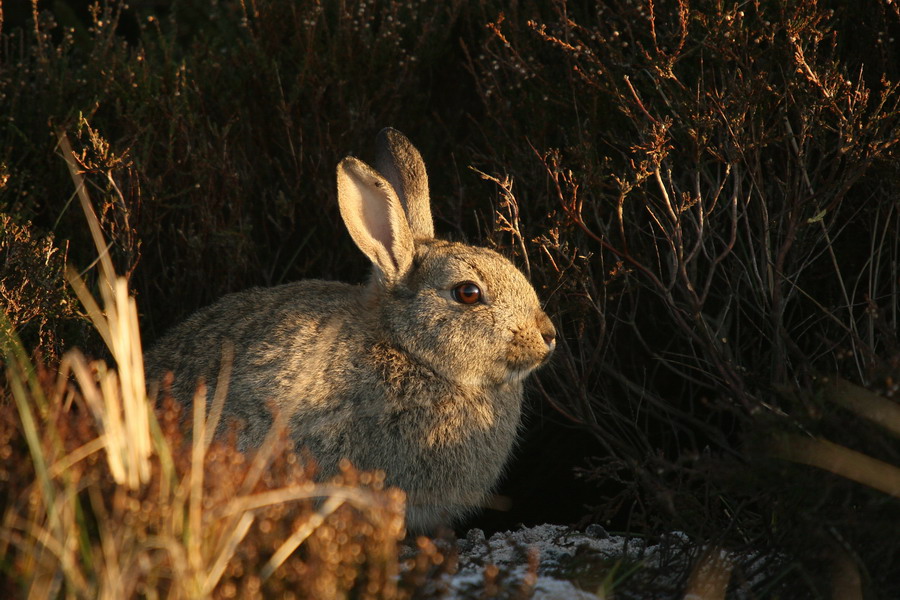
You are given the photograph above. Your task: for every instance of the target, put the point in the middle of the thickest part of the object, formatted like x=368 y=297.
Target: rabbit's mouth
x=518 y=370
x=525 y=354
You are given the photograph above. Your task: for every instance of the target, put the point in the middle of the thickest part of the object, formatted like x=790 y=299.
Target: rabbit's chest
x=473 y=418
x=436 y=425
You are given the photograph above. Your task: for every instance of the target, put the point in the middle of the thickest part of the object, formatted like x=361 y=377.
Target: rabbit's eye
x=467 y=293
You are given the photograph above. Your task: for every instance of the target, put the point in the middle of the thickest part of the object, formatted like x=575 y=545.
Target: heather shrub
x=723 y=238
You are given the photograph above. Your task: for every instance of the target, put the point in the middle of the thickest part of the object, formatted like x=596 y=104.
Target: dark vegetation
x=706 y=195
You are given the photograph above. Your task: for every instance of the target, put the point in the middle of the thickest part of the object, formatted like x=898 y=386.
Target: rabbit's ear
x=402 y=165
x=375 y=218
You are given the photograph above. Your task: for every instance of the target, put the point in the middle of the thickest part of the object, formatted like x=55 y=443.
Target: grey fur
x=393 y=375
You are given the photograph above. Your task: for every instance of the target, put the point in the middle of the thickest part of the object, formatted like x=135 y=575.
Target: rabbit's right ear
x=402 y=165
x=375 y=218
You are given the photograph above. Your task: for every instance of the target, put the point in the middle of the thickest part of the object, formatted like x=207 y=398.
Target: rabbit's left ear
x=402 y=165
x=375 y=218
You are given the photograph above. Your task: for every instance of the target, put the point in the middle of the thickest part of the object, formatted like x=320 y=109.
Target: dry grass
x=120 y=504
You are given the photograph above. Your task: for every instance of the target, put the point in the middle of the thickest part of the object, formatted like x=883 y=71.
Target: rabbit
x=418 y=373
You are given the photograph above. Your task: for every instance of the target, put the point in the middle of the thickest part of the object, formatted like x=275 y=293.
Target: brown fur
x=394 y=375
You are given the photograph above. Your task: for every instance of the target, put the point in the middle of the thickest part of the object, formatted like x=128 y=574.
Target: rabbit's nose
x=548 y=331
x=550 y=340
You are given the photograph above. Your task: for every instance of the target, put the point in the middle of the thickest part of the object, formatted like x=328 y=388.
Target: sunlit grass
x=158 y=515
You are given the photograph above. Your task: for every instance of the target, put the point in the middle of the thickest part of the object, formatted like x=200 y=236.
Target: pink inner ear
x=376 y=213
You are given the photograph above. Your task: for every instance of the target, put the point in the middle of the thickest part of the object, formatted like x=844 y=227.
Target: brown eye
x=467 y=293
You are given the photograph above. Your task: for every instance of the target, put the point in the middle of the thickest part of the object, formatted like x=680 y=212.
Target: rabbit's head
x=466 y=313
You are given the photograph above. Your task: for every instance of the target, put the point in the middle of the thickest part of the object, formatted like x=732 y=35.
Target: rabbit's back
x=271 y=338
